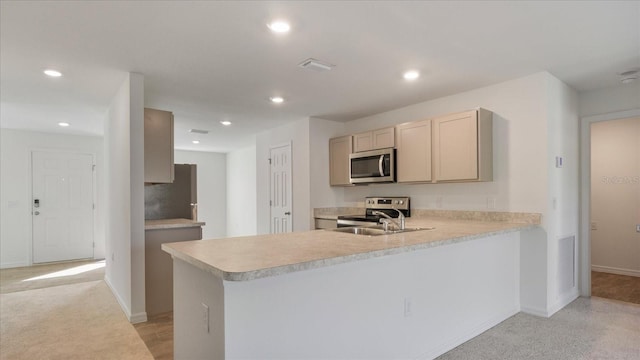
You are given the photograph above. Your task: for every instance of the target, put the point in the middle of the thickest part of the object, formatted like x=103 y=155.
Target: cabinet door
x=158 y=146
x=383 y=138
x=339 y=151
x=455 y=147
x=362 y=142
x=413 y=155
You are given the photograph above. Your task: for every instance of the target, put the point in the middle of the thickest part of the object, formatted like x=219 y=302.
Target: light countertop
x=253 y=257
x=171 y=224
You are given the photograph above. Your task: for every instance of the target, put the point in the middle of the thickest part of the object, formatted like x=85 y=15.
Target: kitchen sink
x=375 y=230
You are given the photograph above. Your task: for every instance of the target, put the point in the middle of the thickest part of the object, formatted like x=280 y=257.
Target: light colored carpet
x=47 y=275
x=588 y=328
x=76 y=321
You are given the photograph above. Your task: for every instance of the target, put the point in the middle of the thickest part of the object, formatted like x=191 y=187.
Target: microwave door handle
x=381 y=165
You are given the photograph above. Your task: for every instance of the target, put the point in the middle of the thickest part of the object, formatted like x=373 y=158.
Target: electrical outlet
x=205 y=317
x=408 y=307
x=594 y=226
x=638 y=228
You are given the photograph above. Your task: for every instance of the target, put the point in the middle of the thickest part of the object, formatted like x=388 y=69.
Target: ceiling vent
x=315 y=65
x=196 y=131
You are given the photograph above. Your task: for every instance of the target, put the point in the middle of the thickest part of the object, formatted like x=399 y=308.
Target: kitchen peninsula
x=332 y=295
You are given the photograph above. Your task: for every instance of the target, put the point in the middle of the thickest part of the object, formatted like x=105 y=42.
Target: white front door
x=281 y=194
x=62 y=206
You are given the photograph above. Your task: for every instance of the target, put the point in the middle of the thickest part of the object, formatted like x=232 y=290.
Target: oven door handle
x=381 y=165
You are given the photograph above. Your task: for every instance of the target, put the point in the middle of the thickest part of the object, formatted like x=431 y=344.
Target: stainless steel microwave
x=375 y=166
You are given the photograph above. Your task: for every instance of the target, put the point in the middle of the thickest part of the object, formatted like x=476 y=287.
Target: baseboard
x=535 y=311
x=468 y=335
x=565 y=300
x=613 y=270
x=13 y=265
x=138 y=318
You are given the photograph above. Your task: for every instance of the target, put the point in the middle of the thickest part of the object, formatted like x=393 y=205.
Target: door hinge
x=93 y=168
x=94 y=206
x=94 y=245
x=269 y=161
x=270 y=203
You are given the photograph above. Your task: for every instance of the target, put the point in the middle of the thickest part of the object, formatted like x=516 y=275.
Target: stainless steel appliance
x=377 y=204
x=373 y=166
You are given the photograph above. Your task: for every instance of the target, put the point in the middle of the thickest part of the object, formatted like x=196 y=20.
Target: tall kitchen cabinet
x=158 y=146
x=462 y=146
x=339 y=150
x=373 y=140
x=413 y=155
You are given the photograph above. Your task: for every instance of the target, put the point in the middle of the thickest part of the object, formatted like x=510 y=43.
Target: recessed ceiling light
x=411 y=75
x=63 y=124
x=276 y=99
x=279 y=26
x=225 y=123
x=196 y=141
x=53 y=73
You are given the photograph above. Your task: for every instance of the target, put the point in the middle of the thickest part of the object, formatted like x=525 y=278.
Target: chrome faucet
x=388 y=219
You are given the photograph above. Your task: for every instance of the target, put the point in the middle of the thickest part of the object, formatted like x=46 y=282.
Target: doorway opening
x=614 y=224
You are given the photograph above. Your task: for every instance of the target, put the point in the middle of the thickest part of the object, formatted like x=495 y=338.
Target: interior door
x=62 y=206
x=281 y=189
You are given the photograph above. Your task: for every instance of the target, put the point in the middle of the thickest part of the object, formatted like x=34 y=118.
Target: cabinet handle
x=288 y=213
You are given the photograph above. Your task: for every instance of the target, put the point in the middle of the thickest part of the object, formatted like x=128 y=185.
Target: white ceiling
x=212 y=61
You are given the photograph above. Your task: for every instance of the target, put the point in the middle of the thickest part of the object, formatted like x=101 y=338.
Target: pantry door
x=62 y=206
x=281 y=189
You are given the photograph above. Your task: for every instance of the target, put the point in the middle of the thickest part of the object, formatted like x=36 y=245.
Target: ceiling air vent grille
x=197 y=131
x=315 y=65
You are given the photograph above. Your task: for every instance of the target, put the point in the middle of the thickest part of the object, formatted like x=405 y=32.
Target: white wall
x=15 y=189
x=604 y=101
x=320 y=131
x=519 y=148
x=562 y=198
x=241 y=192
x=124 y=221
x=615 y=196
x=297 y=133
x=212 y=192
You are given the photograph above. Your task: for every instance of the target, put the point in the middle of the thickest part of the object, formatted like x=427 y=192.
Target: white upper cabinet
x=158 y=146
x=413 y=154
x=463 y=147
x=373 y=140
x=339 y=151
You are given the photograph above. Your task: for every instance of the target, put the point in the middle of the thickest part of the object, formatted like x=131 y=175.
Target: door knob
x=288 y=213
x=36 y=213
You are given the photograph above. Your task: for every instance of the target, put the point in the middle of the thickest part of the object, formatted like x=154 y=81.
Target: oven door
x=373 y=166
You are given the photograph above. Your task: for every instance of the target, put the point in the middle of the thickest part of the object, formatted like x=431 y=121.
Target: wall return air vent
x=316 y=65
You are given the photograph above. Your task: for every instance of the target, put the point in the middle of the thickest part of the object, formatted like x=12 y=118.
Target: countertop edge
x=315 y=264
x=171 y=224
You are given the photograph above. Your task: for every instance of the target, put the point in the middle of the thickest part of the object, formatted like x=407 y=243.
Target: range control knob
x=401 y=202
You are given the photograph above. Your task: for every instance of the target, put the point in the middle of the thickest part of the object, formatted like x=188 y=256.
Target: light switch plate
x=638 y=228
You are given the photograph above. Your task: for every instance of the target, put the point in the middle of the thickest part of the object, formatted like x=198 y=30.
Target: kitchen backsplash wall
x=170 y=201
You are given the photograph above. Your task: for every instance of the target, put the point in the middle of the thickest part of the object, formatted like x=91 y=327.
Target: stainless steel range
x=377 y=204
